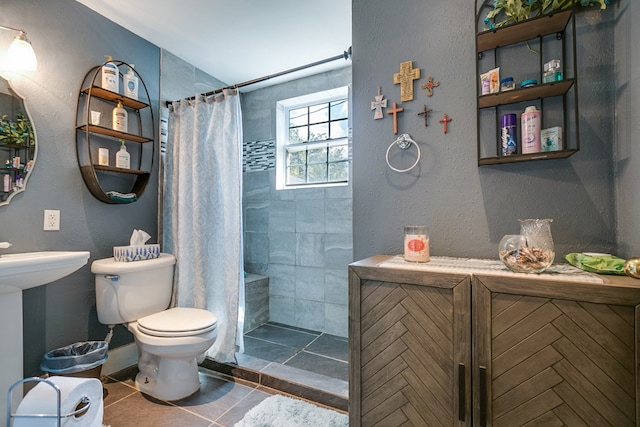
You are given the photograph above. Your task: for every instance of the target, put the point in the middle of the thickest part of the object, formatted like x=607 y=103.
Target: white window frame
x=282 y=134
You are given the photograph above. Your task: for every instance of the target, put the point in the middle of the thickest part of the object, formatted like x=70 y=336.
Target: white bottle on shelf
x=131 y=84
x=530 y=129
x=123 y=160
x=120 y=119
x=110 y=76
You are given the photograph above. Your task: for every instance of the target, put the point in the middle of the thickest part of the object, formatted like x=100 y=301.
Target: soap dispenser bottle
x=120 y=118
x=123 y=160
x=110 y=76
x=131 y=84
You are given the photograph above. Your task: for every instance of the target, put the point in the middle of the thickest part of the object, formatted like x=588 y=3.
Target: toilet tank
x=128 y=291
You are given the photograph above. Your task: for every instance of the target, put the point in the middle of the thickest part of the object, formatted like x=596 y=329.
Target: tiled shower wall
x=302 y=238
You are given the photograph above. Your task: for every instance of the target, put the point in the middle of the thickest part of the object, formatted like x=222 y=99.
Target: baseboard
x=120 y=358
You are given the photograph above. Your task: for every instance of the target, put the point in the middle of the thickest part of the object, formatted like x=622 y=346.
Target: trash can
x=82 y=359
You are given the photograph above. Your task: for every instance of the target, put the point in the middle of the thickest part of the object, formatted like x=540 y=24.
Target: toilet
x=137 y=294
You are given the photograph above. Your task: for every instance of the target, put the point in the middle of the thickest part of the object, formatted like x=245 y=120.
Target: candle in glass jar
x=416 y=244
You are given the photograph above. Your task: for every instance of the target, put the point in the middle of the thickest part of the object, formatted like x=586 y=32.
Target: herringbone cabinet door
x=414 y=341
x=556 y=362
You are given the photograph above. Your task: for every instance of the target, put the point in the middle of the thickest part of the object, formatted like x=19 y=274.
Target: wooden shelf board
x=15 y=146
x=114 y=133
x=99 y=92
x=120 y=170
x=562 y=154
x=544 y=90
x=523 y=31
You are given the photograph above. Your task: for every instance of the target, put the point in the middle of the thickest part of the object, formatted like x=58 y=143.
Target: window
x=312 y=140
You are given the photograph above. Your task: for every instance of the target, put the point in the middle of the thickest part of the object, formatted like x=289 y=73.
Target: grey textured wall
x=627 y=109
x=69 y=39
x=467 y=208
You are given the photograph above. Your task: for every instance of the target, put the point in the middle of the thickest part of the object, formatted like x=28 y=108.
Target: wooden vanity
x=466 y=342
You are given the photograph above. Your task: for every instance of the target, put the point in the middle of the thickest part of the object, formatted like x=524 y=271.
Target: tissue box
x=136 y=252
x=551 y=139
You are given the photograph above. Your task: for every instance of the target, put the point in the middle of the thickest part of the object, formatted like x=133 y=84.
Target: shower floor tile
x=267 y=350
x=298 y=348
x=283 y=335
x=330 y=346
x=320 y=365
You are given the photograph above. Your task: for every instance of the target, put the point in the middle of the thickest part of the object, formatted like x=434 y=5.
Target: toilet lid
x=178 y=322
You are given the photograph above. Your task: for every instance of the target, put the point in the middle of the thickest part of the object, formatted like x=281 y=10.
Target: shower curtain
x=202 y=212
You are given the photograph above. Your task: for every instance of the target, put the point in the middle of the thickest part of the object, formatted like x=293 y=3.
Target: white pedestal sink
x=19 y=272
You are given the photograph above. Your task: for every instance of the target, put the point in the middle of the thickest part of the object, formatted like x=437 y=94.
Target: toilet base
x=167 y=365
x=172 y=379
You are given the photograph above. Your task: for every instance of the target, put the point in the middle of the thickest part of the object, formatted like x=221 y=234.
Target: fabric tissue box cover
x=136 y=252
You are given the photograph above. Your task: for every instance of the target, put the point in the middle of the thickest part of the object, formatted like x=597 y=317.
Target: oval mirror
x=17 y=143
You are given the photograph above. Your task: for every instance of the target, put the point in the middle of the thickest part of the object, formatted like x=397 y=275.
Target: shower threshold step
x=318 y=388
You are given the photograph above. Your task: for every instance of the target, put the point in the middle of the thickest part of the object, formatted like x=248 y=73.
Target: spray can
x=508 y=134
x=530 y=125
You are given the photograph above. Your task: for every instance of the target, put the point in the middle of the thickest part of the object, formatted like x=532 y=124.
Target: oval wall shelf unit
x=108 y=183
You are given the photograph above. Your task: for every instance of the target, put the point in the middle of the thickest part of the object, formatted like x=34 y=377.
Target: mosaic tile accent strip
x=258 y=155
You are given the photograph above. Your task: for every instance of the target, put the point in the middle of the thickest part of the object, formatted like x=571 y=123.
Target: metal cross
x=429 y=85
x=405 y=79
x=378 y=105
x=395 y=110
x=425 y=113
x=444 y=120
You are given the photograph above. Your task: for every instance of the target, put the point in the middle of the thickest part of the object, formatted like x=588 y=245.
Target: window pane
x=295 y=175
x=339 y=109
x=317 y=155
x=312 y=146
x=297 y=135
x=319 y=113
x=338 y=171
x=298 y=117
x=317 y=173
x=319 y=132
x=297 y=158
x=339 y=129
x=339 y=152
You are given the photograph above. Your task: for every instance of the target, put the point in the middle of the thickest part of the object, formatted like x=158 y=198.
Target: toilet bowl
x=169 y=343
x=169 y=340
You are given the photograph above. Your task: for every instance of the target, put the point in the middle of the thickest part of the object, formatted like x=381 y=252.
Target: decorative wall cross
x=444 y=120
x=425 y=113
x=405 y=79
x=378 y=105
x=395 y=110
x=429 y=85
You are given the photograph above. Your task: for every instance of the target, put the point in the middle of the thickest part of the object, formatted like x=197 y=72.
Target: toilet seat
x=178 y=322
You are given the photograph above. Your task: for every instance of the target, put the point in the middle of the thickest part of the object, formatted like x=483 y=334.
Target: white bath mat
x=281 y=411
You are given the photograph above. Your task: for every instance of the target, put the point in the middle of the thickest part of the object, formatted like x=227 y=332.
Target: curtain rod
x=345 y=55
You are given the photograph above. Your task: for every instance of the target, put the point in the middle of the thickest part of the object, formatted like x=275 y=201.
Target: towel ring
x=404 y=141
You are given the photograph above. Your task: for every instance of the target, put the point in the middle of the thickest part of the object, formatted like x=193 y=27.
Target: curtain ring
x=404 y=141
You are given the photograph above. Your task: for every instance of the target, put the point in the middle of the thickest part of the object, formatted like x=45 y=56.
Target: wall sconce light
x=20 y=56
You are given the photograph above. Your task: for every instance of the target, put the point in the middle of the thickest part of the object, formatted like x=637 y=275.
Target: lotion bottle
x=131 y=84
x=120 y=119
x=530 y=129
x=123 y=160
x=110 y=76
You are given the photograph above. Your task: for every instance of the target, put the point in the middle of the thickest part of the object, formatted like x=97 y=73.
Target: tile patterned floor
x=309 y=358
x=298 y=348
x=221 y=401
x=277 y=359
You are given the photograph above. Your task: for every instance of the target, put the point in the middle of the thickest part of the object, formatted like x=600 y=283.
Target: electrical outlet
x=51 y=220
